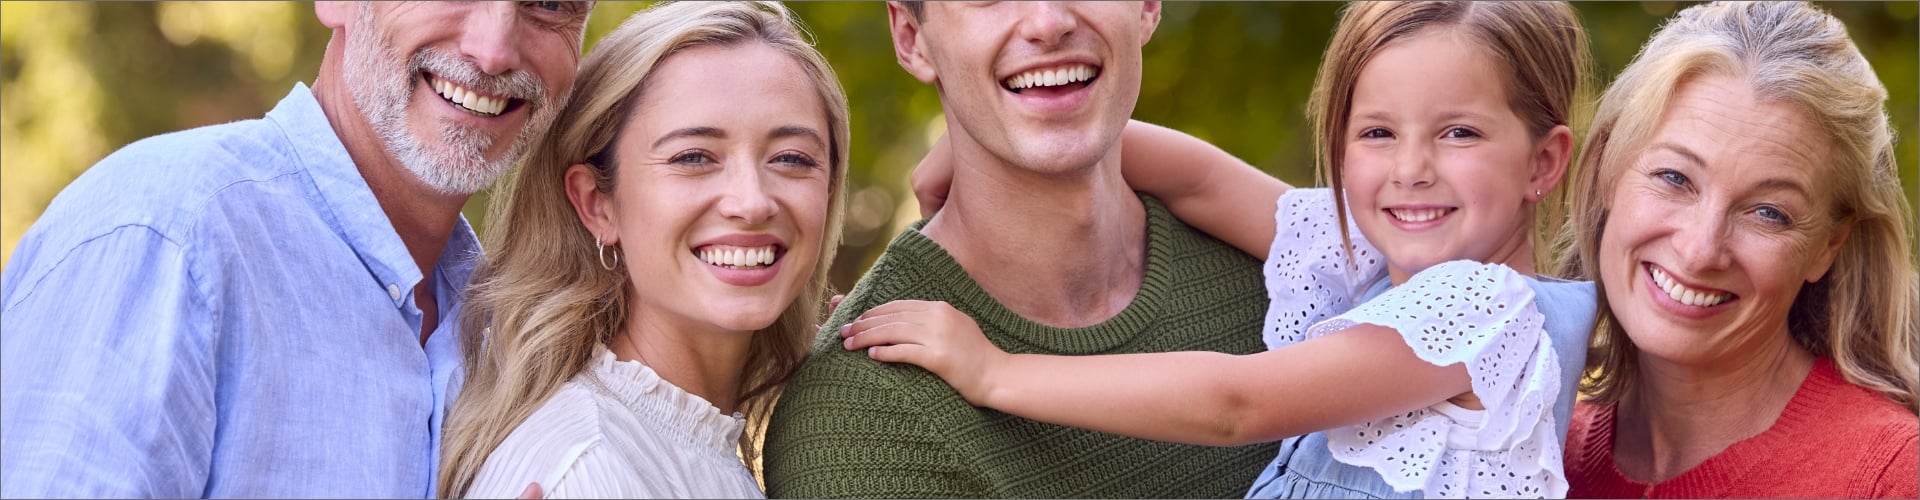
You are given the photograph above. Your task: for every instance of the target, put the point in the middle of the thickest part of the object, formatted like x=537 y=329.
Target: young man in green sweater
x=1042 y=243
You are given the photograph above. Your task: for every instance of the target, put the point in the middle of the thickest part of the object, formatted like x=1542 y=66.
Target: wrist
x=988 y=386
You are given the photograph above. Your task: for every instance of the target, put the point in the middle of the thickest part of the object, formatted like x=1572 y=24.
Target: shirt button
x=393 y=291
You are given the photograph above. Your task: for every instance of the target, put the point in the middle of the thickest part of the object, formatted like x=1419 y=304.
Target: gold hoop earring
x=603 y=255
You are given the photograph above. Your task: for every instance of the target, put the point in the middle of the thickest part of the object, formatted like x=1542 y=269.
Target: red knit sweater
x=1835 y=439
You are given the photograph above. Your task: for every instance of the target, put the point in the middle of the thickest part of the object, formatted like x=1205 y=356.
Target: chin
x=1061 y=155
x=747 y=319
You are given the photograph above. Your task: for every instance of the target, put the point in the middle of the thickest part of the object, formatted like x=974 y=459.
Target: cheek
x=1364 y=169
x=807 y=200
x=1778 y=264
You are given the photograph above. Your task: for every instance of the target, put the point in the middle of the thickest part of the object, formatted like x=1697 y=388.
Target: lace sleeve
x=1308 y=276
x=1482 y=315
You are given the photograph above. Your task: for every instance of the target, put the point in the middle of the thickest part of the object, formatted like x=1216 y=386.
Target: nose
x=1700 y=239
x=1048 y=23
x=746 y=198
x=488 y=37
x=1412 y=165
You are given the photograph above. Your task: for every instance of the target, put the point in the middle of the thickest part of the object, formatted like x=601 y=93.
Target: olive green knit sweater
x=849 y=426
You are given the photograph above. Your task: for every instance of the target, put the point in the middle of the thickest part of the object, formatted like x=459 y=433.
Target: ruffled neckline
x=680 y=414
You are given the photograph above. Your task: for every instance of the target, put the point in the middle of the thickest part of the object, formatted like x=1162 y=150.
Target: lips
x=1680 y=292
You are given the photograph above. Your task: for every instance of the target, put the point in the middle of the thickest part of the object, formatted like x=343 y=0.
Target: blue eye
x=1773 y=214
x=796 y=159
x=690 y=158
x=1675 y=178
x=1376 y=133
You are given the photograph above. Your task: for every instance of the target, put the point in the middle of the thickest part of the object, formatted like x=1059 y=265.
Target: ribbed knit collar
x=688 y=418
x=915 y=250
x=1815 y=396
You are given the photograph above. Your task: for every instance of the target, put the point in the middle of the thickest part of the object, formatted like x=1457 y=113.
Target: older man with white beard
x=267 y=308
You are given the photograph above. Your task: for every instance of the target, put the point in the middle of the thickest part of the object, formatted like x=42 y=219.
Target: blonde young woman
x=1738 y=205
x=657 y=266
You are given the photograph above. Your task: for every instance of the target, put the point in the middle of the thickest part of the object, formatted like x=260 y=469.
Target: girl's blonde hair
x=541 y=304
x=1862 y=315
x=1540 y=44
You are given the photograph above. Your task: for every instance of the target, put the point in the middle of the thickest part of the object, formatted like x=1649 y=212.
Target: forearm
x=1202 y=184
x=1175 y=396
x=1218 y=399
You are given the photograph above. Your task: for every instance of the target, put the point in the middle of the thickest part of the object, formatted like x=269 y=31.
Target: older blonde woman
x=1738 y=205
x=657 y=265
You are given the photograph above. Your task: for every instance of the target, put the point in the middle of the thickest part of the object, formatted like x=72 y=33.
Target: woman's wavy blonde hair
x=540 y=304
x=1862 y=315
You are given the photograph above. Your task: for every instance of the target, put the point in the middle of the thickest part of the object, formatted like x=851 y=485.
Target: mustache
x=513 y=84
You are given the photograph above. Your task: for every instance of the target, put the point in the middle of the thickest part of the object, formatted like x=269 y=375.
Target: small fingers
x=883 y=334
x=899 y=353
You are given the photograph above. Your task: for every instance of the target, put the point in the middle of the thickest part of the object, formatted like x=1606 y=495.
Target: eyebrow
x=1456 y=115
x=691 y=132
x=1688 y=154
x=1772 y=184
x=798 y=131
x=1782 y=184
x=1379 y=116
x=781 y=132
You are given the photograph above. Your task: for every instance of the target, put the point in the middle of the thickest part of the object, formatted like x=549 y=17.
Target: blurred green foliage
x=78 y=80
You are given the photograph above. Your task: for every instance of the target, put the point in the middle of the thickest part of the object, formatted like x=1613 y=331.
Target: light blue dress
x=1308 y=288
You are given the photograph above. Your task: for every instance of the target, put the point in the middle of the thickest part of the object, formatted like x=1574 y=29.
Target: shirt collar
x=349 y=204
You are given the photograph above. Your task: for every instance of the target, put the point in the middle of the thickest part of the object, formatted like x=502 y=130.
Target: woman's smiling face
x=722 y=188
x=1716 y=224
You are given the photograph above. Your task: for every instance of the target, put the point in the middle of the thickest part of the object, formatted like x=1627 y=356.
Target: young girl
x=1441 y=127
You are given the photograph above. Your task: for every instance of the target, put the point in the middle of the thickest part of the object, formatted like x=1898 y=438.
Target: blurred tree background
x=78 y=80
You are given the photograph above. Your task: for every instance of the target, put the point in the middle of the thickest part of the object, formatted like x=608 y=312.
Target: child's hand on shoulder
x=932 y=335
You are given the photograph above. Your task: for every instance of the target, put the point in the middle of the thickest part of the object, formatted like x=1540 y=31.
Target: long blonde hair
x=1540 y=44
x=541 y=304
x=1862 y=314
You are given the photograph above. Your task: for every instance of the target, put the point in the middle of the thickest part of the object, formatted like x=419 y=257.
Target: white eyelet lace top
x=617 y=430
x=1483 y=315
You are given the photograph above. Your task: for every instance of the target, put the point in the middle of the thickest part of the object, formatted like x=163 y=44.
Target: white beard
x=382 y=86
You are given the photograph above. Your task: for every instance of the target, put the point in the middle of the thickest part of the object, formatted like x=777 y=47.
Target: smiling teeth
x=1051 y=77
x=1685 y=294
x=467 y=98
x=1417 y=214
x=737 y=257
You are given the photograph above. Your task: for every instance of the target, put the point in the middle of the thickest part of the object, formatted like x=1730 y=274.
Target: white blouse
x=617 y=430
x=1461 y=312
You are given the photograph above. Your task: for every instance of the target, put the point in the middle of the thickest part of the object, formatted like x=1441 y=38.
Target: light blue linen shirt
x=224 y=312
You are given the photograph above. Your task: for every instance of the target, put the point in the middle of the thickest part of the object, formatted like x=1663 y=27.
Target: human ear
x=1549 y=161
x=907 y=44
x=334 y=14
x=595 y=208
x=1149 y=20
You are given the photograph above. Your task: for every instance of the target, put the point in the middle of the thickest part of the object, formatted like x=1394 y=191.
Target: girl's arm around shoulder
x=1208 y=398
x=1203 y=185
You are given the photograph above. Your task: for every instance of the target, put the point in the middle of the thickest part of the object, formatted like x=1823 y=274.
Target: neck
x=1081 y=233
x=707 y=364
x=423 y=217
x=1679 y=416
